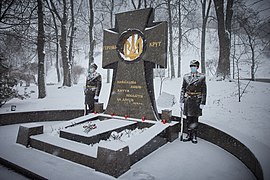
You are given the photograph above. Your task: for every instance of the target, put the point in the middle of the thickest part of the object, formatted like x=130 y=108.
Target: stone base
x=172 y=132
x=98 y=108
x=110 y=160
x=166 y=115
x=25 y=131
x=211 y=134
x=113 y=162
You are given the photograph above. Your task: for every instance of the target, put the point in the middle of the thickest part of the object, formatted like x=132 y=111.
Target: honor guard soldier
x=192 y=99
x=92 y=88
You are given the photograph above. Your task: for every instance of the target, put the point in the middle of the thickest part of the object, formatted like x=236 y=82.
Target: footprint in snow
x=139 y=175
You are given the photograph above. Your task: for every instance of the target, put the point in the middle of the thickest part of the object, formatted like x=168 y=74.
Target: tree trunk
x=57 y=43
x=224 y=28
x=63 y=44
x=41 y=52
x=171 y=39
x=180 y=39
x=205 y=15
x=91 y=37
x=252 y=59
x=71 y=40
x=234 y=55
x=111 y=21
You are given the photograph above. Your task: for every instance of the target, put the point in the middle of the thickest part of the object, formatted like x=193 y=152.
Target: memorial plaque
x=132 y=49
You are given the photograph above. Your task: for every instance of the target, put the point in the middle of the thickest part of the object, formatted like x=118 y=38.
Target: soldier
x=192 y=99
x=92 y=88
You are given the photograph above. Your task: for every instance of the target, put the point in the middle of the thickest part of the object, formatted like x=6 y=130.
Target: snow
x=146 y=136
x=67 y=144
x=166 y=100
x=248 y=120
x=102 y=126
x=6 y=173
x=176 y=160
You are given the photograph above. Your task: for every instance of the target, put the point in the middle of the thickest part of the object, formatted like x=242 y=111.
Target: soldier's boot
x=194 y=137
x=188 y=137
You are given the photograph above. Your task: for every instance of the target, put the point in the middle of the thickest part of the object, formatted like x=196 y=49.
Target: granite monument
x=132 y=49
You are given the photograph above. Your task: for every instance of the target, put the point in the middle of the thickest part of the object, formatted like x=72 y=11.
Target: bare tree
x=224 y=35
x=139 y=4
x=180 y=38
x=252 y=35
x=237 y=61
x=186 y=22
x=72 y=34
x=109 y=6
x=5 y=6
x=91 y=33
x=56 y=35
x=170 y=38
x=205 y=14
x=41 y=51
x=18 y=22
x=63 y=41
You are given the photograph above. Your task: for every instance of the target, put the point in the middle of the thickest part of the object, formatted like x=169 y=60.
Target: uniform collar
x=92 y=75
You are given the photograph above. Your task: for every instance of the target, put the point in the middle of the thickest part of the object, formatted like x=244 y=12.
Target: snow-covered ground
x=247 y=120
x=176 y=160
x=250 y=116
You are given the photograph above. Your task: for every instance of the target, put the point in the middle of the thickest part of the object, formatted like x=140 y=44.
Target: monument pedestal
x=98 y=108
x=25 y=131
x=113 y=162
x=112 y=155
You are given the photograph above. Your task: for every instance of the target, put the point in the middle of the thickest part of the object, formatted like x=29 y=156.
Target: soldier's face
x=91 y=70
x=193 y=69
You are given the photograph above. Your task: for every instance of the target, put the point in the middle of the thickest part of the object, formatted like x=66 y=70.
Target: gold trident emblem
x=133 y=49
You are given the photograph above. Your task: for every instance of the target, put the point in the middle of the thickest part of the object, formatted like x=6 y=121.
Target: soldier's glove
x=201 y=106
x=96 y=98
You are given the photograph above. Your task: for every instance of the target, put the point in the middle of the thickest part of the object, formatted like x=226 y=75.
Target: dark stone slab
x=172 y=132
x=233 y=146
x=132 y=49
x=25 y=131
x=113 y=162
x=166 y=114
x=98 y=107
x=38 y=116
x=147 y=149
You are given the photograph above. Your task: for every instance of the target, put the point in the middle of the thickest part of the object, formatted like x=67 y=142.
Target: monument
x=132 y=49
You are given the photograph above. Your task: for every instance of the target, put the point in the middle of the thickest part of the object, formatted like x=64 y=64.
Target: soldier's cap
x=93 y=65
x=194 y=63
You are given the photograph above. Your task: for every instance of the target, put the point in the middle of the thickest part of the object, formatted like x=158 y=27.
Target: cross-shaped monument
x=132 y=49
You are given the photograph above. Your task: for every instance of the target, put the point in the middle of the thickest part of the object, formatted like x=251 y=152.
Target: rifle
x=85 y=109
x=182 y=124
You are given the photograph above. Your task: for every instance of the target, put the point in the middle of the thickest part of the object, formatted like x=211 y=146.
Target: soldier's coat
x=92 y=88
x=194 y=83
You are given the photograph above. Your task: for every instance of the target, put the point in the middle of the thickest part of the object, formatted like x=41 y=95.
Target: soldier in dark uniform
x=92 y=88
x=192 y=99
